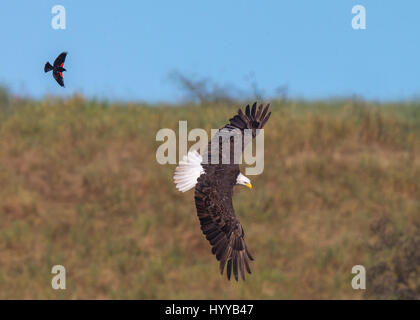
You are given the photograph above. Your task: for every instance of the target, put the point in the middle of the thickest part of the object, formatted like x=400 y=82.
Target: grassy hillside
x=80 y=187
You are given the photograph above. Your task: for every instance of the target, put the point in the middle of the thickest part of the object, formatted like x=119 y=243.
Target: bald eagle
x=214 y=184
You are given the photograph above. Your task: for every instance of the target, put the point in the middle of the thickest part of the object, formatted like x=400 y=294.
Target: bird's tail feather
x=188 y=171
x=48 y=67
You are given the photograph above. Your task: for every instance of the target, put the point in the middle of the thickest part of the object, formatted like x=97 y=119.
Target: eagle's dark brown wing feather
x=220 y=226
x=213 y=199
x=253 y=120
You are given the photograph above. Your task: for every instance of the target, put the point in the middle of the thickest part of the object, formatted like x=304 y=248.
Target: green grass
x=80 y=187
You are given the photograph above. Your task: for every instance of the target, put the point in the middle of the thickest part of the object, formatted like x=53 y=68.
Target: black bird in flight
x=57 y=68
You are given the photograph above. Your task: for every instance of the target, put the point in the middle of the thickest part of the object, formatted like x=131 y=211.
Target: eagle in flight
x=57 y=68
x=214 y=184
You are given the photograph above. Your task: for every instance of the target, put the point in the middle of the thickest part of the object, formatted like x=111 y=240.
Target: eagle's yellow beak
x=249 y=186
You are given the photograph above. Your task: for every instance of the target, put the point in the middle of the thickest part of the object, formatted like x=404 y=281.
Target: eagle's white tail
x=188 y=171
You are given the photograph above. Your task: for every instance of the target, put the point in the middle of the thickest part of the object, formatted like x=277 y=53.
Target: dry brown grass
x=80 y=186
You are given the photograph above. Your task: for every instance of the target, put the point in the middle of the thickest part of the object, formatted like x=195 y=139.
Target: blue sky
x=125 y=50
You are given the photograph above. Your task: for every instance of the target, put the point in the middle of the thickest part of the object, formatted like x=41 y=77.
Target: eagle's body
x=214 y=191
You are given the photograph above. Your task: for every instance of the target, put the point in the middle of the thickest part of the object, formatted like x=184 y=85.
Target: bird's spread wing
x=253 y=119
x=213 y=200
x=59 y=62
x=58 y=76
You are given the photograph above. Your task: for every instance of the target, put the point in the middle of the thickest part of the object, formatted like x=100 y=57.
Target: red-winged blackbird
x=57 y=68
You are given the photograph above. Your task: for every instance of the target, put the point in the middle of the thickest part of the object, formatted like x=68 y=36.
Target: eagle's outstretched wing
x=213 y=198
x=59 y=61
x=252 y=120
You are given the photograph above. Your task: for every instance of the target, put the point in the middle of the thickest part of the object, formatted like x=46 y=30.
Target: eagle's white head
x=241 y=179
